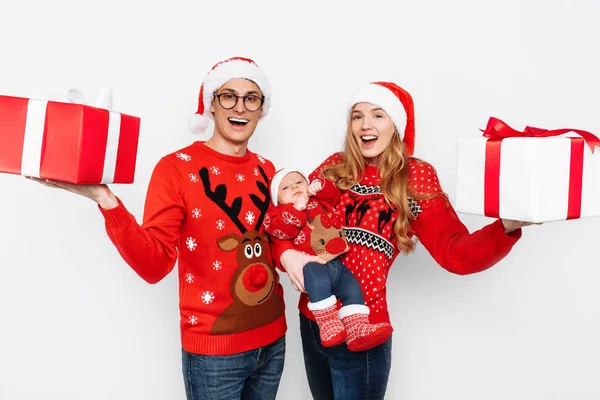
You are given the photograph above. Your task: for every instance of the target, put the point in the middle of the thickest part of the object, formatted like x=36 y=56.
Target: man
x=204 y=208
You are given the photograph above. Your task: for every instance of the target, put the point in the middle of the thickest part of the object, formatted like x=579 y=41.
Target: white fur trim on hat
x=383 y=98
x=276 y=181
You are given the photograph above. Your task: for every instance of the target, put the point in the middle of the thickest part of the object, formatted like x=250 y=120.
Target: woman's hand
x=293 y=261
x=101 y=194
x=511 y=225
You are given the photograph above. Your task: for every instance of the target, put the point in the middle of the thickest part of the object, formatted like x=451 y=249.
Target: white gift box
x=533 y=179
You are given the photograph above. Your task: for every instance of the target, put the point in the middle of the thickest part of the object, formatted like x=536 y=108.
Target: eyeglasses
x=228 y=100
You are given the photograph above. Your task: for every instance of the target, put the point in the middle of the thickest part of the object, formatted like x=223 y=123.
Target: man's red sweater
x=205 y=210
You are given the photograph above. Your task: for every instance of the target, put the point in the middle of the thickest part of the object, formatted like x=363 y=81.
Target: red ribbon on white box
x=34 y=135
x=498 y=130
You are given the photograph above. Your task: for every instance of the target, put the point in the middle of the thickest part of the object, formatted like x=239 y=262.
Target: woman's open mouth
x=368 y=140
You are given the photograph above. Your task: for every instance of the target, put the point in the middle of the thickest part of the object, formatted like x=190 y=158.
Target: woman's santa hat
x=221 y=73
x=276 y=181
x=396 y=102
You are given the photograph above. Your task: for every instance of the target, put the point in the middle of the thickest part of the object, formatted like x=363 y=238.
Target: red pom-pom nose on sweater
x=255 y=277
x=335 y=246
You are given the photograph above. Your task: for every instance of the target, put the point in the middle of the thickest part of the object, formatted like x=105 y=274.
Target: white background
x=77 y=323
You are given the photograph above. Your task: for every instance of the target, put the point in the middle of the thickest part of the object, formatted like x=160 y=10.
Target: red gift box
x=67 y=142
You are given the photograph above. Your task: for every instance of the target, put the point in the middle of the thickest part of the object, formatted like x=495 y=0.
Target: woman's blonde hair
x=393 y=170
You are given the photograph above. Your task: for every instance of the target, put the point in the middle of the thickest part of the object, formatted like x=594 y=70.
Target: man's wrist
x=107 y=200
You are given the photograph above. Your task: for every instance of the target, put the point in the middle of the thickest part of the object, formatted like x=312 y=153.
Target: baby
x=305 y=214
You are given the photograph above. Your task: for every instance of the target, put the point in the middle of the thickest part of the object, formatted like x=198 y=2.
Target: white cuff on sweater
x=353 y=309
x=323 y=304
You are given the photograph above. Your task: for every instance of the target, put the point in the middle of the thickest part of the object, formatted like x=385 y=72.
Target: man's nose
x=239 y=106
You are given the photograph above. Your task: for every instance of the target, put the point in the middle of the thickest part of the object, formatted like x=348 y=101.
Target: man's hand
x=101 y=194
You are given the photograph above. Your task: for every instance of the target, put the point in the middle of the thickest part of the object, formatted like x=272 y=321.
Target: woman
x=389 y=199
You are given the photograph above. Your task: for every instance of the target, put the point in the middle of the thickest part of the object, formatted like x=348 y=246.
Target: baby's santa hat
x=276 y=181
x=396 y=102
x=221 y=73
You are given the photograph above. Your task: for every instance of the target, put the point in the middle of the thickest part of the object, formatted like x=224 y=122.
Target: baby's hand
x=300 y=203
x=315 y=187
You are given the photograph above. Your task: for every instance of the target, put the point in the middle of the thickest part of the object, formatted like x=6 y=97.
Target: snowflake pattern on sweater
x=204 y=210
x=317 y=229
x=369 y=222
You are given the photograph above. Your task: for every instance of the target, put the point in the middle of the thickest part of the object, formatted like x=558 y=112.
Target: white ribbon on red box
x=34 y=131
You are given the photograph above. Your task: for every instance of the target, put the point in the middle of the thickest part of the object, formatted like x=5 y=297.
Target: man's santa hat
x=221 y=73
x=276 y=181
x=396 y=102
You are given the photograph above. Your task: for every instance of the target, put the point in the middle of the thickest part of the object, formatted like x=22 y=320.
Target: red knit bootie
x=330 y=325
x=360 y=334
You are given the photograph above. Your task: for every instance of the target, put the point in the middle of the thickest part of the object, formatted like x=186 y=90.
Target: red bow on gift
x=497 y=129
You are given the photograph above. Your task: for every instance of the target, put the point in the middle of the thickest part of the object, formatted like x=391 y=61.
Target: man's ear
x=212 y=107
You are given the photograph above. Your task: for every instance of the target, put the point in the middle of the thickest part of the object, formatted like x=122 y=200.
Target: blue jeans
x=322 y=281
x=251 y=375
x=340 y=374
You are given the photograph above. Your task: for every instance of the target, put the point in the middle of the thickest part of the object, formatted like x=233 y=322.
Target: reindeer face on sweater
x=254 y=280
x=252 y=286
x=327 y=237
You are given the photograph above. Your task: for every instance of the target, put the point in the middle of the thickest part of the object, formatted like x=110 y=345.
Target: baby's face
x=292 y=186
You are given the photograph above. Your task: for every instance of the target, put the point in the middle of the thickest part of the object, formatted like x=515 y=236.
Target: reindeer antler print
x=261 y=204
x=219 y=196
x=253 y=284
x=361 y=210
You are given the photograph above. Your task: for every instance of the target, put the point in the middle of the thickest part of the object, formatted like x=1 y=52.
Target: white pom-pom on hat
x=197 y=124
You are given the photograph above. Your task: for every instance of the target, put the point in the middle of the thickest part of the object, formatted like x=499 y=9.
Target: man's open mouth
x=237 y=121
